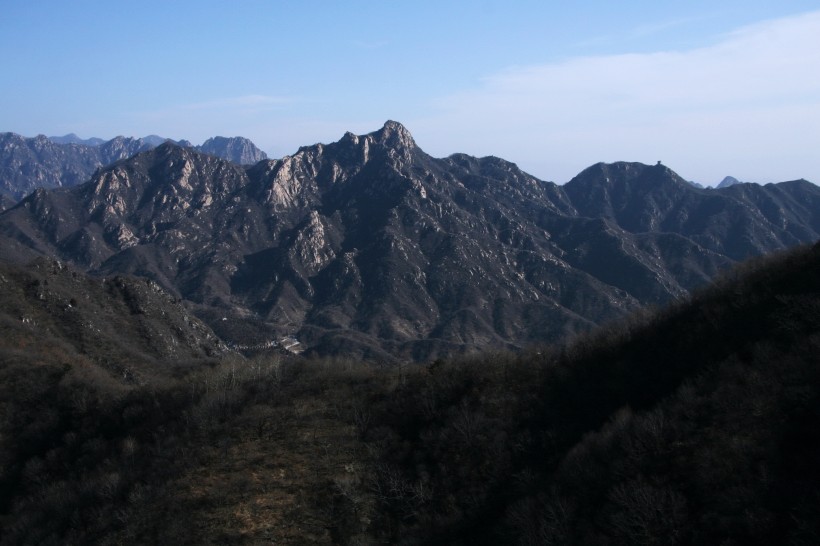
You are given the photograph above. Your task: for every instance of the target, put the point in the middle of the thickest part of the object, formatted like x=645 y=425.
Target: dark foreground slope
x=86 y=380
x=697 y=425
x=694 y=425
x=371 y=248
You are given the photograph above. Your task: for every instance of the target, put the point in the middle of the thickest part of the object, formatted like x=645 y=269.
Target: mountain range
x=51 y=162
x=72 y=138
x=369 y=247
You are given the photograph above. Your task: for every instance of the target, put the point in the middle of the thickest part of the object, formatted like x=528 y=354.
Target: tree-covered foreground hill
x=695 y=424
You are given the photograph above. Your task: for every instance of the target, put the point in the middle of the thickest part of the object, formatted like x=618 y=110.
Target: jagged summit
x=395 y=126
x=394 y=134
x=352 y=152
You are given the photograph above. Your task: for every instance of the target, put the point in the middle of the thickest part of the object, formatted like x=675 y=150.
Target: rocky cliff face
x=370 y=247
x=29 y=163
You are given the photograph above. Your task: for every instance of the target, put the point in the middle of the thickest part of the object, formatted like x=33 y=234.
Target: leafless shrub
x=362 y=418
x=468 y=423
x=542 y=521
x=647 y=514
x=392 y=488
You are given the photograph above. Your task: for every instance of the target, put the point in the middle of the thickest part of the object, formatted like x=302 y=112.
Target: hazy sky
x=710 y=88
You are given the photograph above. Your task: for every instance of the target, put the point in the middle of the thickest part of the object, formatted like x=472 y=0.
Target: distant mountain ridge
x=370 y=247
x=52 y=162
x=725 y=183
x=72 y=138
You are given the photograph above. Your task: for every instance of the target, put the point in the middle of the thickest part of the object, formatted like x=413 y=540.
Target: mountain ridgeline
x=369 y=247
x=42 y=162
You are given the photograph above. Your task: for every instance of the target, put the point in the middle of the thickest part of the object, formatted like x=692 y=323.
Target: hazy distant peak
x=237 y=149
x=72 y=138
x=153 y=140
x=728 y=181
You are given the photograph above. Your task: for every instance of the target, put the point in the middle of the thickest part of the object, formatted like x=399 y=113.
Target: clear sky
x=711 y=88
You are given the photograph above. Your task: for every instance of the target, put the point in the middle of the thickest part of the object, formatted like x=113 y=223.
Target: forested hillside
x=695 y=424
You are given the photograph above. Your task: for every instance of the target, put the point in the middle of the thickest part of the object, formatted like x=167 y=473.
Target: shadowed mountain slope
x=693 y=425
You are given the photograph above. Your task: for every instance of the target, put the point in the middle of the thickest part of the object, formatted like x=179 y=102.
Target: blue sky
x=710 y=88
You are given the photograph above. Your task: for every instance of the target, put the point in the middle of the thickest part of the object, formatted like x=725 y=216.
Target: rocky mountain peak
x=315 y=169
x=393 y=142
x=393 y=138
x=394 y=135
x=166 y=183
